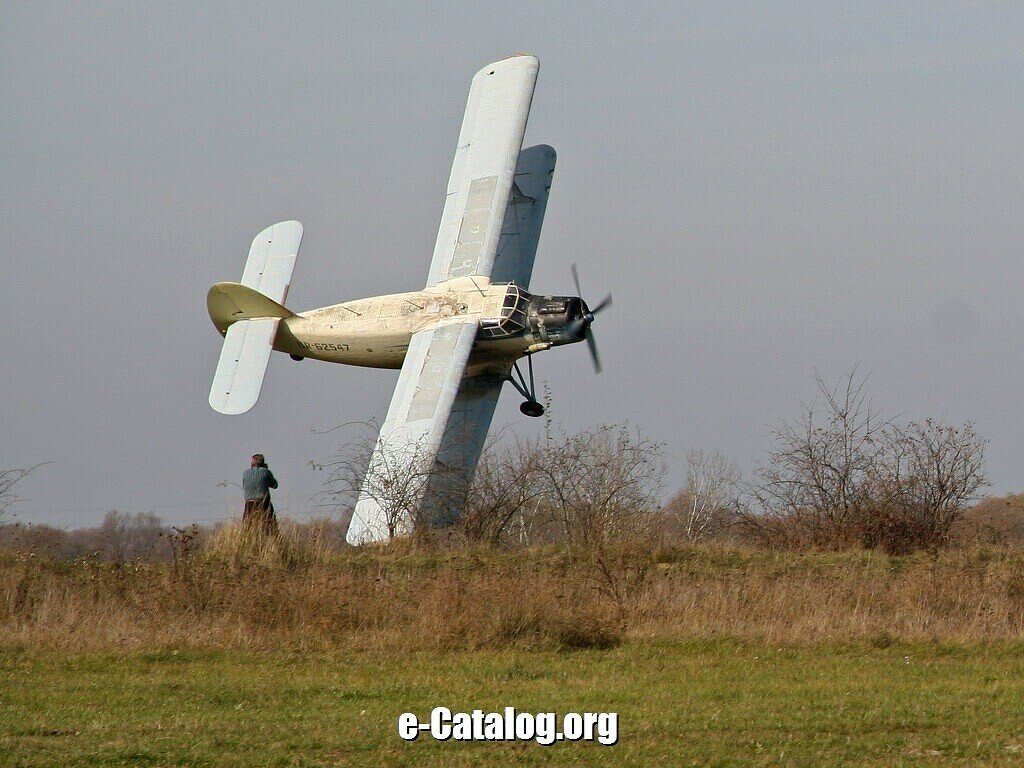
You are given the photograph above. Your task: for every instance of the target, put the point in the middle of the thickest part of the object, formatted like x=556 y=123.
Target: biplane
x=459 y=339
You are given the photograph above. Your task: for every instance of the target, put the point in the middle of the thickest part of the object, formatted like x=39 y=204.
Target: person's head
x=258 y=460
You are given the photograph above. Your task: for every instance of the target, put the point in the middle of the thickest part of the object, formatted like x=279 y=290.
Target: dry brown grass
x=240 y=593
x=955 y=596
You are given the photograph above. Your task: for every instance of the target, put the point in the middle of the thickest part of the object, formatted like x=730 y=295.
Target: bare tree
x=602 y=484
x=710 y=500
x=125 y=536
x=113 y=534
x=394 y=476
x=844 y=475
x=932 y=472
x=822 y=475
x=586 y=488
x=504 y=487
x=8 y=479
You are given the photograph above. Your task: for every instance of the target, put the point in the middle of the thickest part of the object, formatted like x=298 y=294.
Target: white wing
x=461 y=446
x=407 y=447
x=520 y=230
x=483 y=169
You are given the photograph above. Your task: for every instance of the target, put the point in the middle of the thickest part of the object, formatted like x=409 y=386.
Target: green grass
x=710 y=703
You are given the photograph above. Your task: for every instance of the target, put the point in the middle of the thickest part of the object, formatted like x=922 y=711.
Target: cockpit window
x=513 y=315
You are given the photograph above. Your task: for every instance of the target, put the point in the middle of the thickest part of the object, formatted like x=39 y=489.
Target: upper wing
x=483 y=169
x=407 y=447
x=524 y=216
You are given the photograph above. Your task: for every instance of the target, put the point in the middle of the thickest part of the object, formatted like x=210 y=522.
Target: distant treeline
x=145 y=537
x=125 y=537
x=841 y=476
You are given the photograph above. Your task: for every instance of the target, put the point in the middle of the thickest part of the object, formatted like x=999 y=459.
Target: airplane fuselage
x=375 y=332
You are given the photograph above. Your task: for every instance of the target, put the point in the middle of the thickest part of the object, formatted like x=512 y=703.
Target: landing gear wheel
x=532 y=408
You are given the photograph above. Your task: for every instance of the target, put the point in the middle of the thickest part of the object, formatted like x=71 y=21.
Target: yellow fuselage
x=375 y=332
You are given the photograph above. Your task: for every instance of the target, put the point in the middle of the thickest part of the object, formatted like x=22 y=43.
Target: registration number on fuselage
x=323 y=347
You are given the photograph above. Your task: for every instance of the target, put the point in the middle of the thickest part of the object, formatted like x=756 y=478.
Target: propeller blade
x=576 y=279
x=592 y=346
x=605 y=303
x=584 y=322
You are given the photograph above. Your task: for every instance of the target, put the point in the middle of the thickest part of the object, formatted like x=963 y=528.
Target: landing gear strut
x=531 y=407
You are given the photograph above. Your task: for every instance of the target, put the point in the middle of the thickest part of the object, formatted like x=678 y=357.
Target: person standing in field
x=257 y=481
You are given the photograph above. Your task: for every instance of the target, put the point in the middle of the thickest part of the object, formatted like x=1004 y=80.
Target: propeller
x=588 y=318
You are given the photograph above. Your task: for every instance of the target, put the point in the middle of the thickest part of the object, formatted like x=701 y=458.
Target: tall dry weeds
x=290 y=594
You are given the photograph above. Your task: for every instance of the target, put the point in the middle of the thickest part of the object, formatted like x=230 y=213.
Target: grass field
x=706 y=703
x=710 y=656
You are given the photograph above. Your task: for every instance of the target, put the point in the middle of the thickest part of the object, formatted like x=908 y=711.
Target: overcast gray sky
x=768 y=189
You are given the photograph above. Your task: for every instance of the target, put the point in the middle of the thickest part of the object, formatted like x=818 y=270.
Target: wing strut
x=531 y=407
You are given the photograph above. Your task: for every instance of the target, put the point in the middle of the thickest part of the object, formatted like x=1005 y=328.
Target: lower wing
x=404 y=457
x=461 y=446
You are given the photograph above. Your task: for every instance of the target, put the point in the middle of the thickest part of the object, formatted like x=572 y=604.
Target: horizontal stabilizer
x=228 y=303
x=247 y=315
x=242 y=365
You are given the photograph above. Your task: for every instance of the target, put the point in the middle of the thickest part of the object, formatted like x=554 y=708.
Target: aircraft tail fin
x=247 y=315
